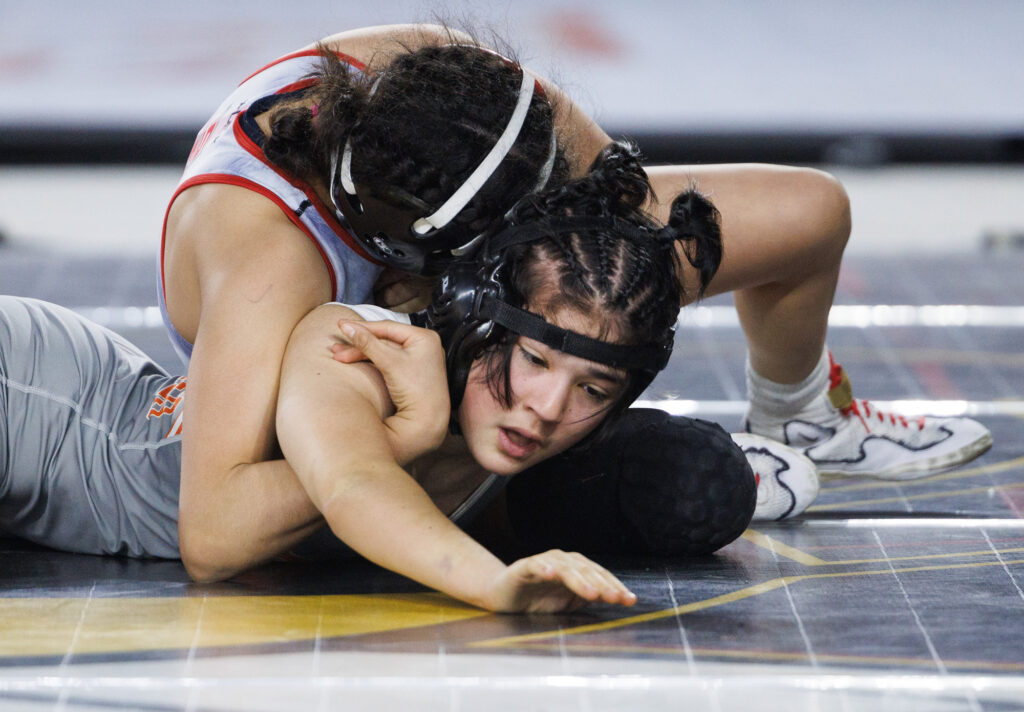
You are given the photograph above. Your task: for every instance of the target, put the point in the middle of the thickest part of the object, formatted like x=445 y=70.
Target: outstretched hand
x=556 y=581
x=411 y=361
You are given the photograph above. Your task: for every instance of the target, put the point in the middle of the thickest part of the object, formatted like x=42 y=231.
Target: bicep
x=237 y=505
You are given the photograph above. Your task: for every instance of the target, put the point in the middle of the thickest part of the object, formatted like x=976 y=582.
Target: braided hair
x=633 y=280
x=421 y=126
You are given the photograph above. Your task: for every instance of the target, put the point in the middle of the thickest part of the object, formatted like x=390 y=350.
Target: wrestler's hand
x=411 y=361
x=555 y=581
x=402 y=292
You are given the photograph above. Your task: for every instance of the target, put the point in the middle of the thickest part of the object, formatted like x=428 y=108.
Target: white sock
x=782 y=400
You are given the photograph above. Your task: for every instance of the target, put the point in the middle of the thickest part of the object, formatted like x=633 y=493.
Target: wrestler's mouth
x=517 y=444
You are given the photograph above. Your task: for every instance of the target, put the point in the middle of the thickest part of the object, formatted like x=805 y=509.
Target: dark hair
x=422 y=125
x=633 y=279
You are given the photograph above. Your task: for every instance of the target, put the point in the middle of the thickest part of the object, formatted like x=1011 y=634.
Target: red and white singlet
x=225 y=153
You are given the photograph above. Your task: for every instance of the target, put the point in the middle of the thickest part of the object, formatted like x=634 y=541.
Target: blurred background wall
x=917 y=105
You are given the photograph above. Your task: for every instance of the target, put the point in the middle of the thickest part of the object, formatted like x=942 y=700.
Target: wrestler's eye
x=532 y=358
x=595 y=394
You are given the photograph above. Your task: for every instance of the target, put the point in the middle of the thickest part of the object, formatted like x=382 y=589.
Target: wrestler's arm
x=240 y=504
x=335 y=423
x=376 y=45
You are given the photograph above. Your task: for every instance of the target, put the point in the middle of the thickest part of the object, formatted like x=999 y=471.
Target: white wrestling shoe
x=787 y=481
x=843 y=435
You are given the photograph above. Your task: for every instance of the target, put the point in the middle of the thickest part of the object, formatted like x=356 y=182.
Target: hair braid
x=634 y=274
x=303 y=144
x=575 y=271
x=604 y=272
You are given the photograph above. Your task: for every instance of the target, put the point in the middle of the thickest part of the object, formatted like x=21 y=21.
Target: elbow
x=200 y=572
x=200 y=568
x=204 y=563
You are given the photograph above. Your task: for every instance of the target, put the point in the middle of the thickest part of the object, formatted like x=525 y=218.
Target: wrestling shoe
x=787 y=481
x=844 y=435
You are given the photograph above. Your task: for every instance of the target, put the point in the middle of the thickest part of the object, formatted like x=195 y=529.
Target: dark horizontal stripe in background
x=23 y=145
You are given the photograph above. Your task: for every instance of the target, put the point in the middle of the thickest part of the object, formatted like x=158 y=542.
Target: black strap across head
x=648 y=357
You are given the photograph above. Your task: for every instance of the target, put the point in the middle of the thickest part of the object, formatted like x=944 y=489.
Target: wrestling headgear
x=401 y=230
x=469 y=312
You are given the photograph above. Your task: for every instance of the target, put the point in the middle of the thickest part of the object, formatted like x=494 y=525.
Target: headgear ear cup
x=454 y=315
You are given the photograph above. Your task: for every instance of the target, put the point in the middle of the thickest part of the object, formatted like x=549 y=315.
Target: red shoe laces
x=860 y=407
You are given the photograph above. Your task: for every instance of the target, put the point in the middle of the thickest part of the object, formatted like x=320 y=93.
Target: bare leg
x=784 y=231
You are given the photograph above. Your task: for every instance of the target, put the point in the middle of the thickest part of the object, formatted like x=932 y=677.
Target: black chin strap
x=645 y=357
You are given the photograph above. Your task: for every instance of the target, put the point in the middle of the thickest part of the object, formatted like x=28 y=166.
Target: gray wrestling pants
x=89 y=458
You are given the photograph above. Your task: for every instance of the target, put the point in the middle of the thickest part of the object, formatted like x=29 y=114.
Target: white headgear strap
x=461 y=197
x=345 y=176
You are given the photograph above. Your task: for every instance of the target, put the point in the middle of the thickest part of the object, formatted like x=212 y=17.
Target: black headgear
x=401 y=230
x=469 y=311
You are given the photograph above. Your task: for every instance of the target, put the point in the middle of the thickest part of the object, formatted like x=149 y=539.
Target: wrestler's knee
x=828 y=212
x=690 y=489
